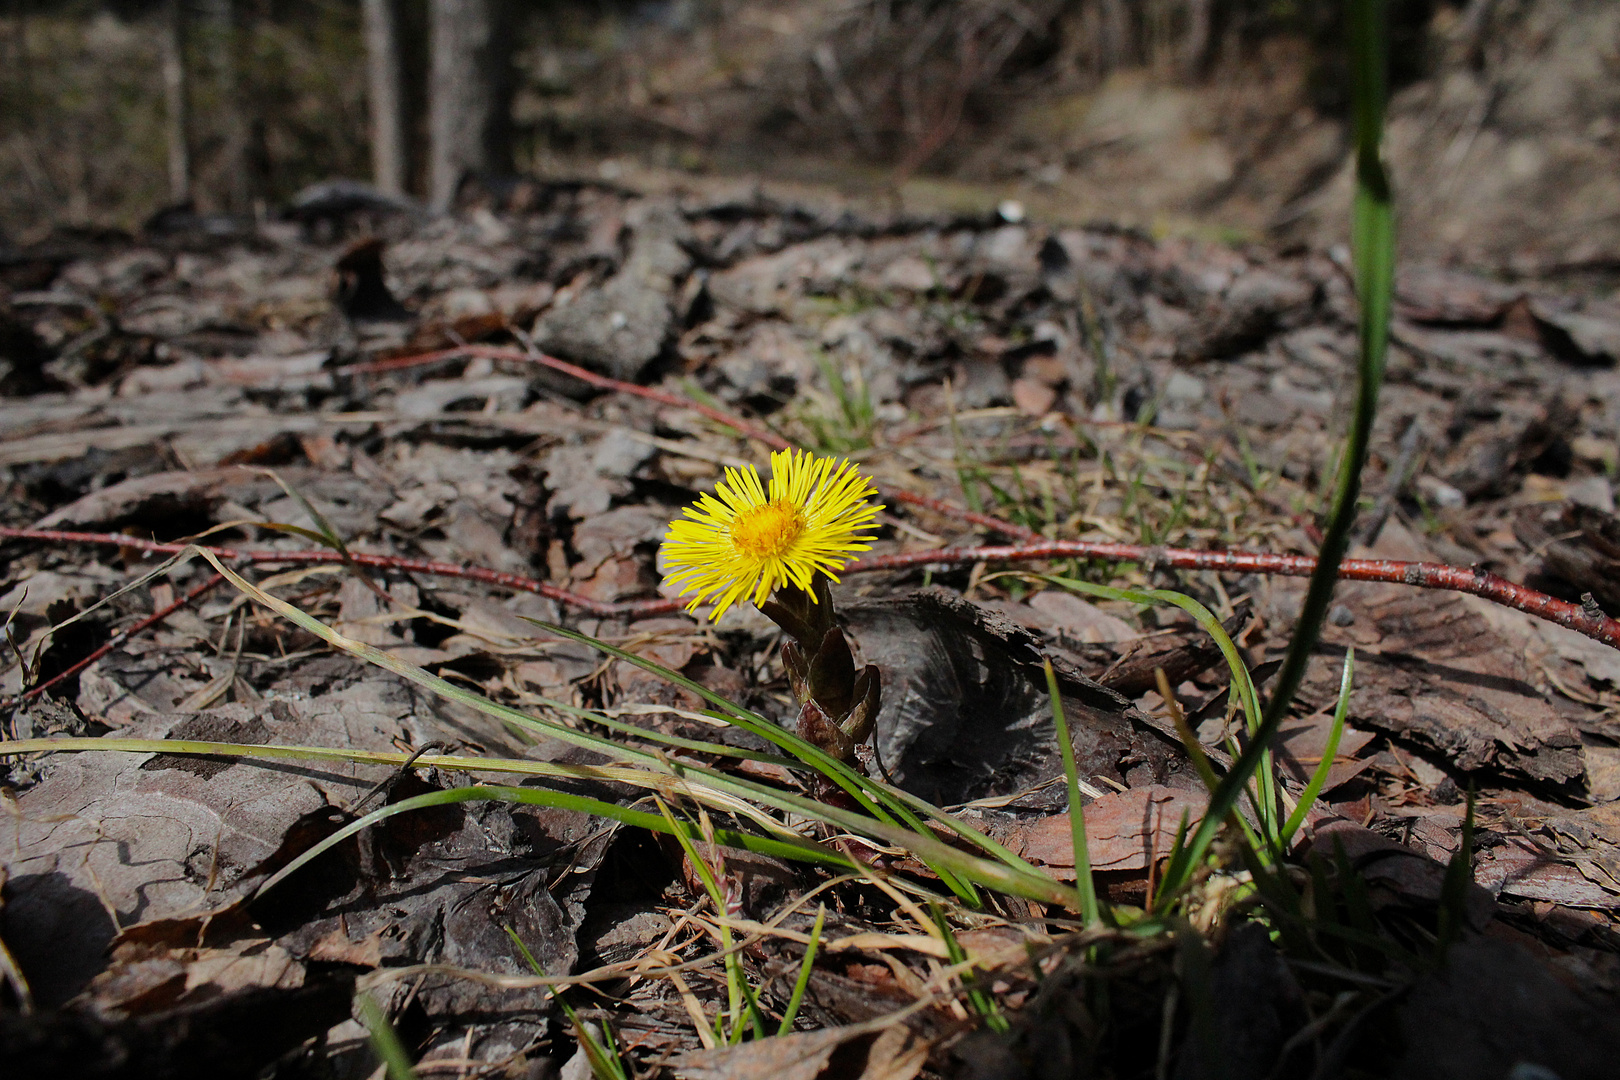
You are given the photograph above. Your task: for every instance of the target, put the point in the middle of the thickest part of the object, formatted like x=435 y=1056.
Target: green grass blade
x=659 y=773
x=892 y=810
x=737 y=990
x=803 y=851
x=1329 y=752
x=1373 y=238
x=632 y=731
x=643 y=778
x=1265 y=797
x=967 y=832
x=1242 y=682
x=1454 y=888
x=327 y=535
x=604 y=1061
x=528 y=957
x=982 y=1003
x=1089 y=909
x=1031 y=883
x=1206 y=772
x=385 y=1040
x=745 y=718
x=803 y=981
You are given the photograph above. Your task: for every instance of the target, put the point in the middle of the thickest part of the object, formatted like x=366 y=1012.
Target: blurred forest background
x=1220 y=117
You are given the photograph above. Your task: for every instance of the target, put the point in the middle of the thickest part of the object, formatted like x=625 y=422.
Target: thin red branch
x=1470 y=580
x=939 y=506
x=601 y=382
x=1424 y=575
x=383 y=562
x=123 y=636
x=720 y=416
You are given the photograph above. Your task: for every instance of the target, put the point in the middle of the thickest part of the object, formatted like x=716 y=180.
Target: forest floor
x=280 y=391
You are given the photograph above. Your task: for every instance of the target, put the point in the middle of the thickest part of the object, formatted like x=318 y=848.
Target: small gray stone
x=1183 y=389
x=1441 y=494
x=617 y=329
x=1578 y=335
x=620 y=327
x=1593 y=491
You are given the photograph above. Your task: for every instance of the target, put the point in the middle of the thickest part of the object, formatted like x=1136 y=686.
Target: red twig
x=736 y=423
x=601 y=382
x=123 y=636
x=1594 y=624
x=1477 y=582
x=939 y=506
x=1424 y=575
x=383 y=562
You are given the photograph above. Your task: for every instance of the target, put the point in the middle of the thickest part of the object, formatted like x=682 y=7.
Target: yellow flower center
x=765 y=532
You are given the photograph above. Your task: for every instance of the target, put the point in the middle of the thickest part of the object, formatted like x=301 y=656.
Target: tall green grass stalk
x=1090 y=910
x=1373 y=239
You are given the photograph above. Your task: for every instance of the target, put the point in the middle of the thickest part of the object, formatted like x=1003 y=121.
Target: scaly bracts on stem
x=838 y=706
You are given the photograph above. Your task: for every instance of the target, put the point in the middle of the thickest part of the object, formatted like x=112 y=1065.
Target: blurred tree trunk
x=21 y=65
x=176 y=118
x=385 y=96
x=469 y=112
x=1199 y=40
x=222 y=50
x=1114 y=38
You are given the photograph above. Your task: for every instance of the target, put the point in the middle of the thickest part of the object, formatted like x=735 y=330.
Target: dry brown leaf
x=898 y=1053
x=798 y=1055
x=1122 y=828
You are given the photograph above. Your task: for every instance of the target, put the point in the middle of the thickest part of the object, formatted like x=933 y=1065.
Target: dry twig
x=1594 y=624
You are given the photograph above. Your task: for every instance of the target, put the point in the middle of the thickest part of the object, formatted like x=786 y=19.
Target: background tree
x=234 y=187
x=176 y=103
x=470 y=94
x=385 y=96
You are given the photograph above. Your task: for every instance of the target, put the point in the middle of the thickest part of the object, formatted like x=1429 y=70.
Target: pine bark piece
x=1435 y=670
x=105 y=832
x=1437 y=296
x=1123 y=829
x=229 y=1036
x=1491 y=1006
x=623 y=325
x=1180 y=656
x=966 y=714
x=1579 y=545
x=1583 y=336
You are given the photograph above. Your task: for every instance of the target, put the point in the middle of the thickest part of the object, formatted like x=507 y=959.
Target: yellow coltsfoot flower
x=746 y=541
